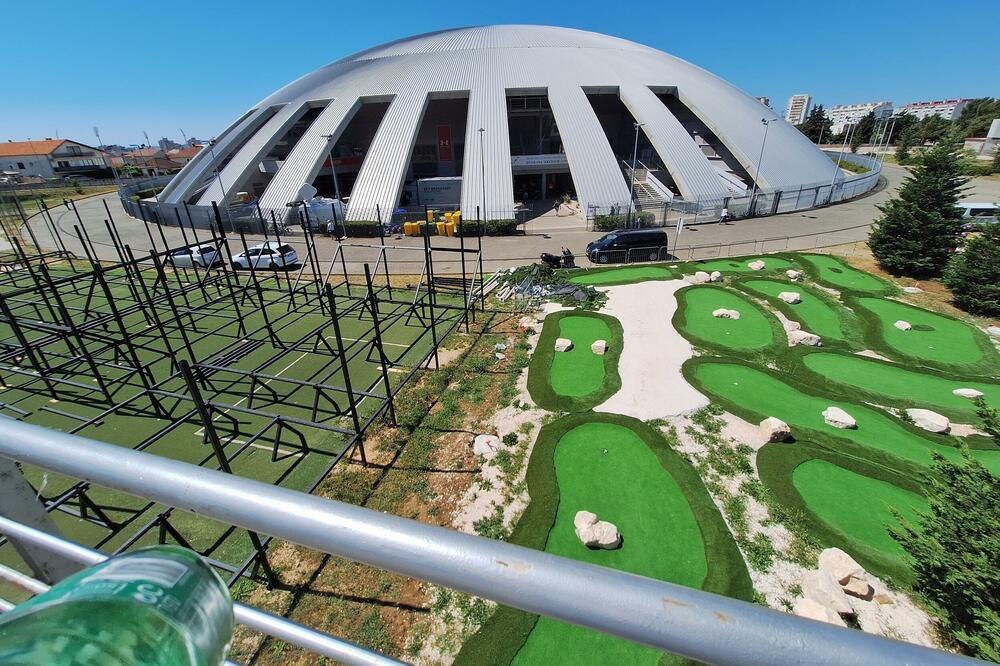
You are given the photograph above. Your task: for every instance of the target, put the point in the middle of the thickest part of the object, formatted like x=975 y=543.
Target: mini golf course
x=835 y=274
x=625 y=472
x=816 y=314
x=758 y=394
x=612 y=276
x=771 y=263
x=752 y=331
x=934 y=338
x=881 y=379
x=578 y=379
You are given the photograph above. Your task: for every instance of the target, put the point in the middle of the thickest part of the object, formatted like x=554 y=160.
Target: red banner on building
x=444 y=143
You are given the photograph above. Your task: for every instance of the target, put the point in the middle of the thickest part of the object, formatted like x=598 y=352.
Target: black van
x=622 y=247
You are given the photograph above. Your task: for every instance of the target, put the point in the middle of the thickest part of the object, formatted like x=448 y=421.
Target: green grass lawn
x=814 y=312
x=756 y=391
x=753 y=330
x=628 y=486
x=771 y=263
x=900 y=383
x=579 y=371
x=598 y=277
x=836 y=274
x=855 y=504
x=934 y=337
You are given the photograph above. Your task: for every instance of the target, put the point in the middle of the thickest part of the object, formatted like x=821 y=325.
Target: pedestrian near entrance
x=558 y=203
x=724 y=215
x=331 y=228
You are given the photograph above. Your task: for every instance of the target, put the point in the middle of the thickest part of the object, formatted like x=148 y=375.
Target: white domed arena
x=492 y=118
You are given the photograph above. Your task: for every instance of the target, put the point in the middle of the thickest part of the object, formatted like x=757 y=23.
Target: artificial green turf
x=901 y=383
x=626 y=275
x=771 y=263
x=758 y=392
x=753 y=330
x=813 y=312
x=857 y=505
x=607 y=469
x=579 y=371
x=834 y=273
x=934 y=337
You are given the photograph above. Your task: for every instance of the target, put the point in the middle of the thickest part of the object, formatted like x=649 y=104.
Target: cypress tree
x=918 y=231
x=974 y=275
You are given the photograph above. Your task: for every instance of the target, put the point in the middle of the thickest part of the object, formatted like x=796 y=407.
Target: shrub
x=956 y=553
x=974 y=275
x=360 y=228
x=505 y=227
x=617 y=221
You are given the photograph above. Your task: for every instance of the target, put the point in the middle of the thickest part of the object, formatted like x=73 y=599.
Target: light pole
x=631 y=188
x=156 y=170
x=333 y=169
x=482 y=168
x=100 y=146
x=847 y=137
x=218 y=174
x=760 y=158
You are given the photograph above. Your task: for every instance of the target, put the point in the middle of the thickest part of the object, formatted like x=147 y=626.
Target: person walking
x=724 y=215
x=331 y=229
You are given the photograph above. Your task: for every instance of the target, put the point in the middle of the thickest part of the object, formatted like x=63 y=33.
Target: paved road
x=842 y=223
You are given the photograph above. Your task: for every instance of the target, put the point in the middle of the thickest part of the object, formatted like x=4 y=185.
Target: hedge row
x=612 y=222
x=506 y=227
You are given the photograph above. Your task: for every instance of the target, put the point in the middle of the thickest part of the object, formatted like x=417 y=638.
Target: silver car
x=203 y=256
x=266 y=255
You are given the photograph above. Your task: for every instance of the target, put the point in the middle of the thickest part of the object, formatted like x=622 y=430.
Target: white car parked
x=196 y=255
x=266 y=255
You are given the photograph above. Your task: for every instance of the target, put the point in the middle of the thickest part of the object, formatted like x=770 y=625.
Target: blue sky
x=161 y=66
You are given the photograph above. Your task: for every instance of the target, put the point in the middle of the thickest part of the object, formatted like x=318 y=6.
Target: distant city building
x=148 y=161
x=50 y=158
x=843 y=116
x=949 y=109
x=798 y=108
x=766 y=101
x=167 y=144
x=183 y=155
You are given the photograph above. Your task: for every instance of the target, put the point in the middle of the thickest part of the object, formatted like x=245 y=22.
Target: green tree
x=955 y=553
x=974 y=275
x=977 y=116
x=933 y=128
x=862 y=133
x=918 y=230
x=996 y=158
x=816 y=124
x=905 y=142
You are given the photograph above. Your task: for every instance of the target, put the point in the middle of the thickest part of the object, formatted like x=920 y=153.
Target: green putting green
x=813 y=312
x=771 y=263
x=764 y=395
x=752 y=330
x=836 y=274
x=934 y=337
x=579 y=371
x=608 y=469
x=622 y=275
x=898 y=382
x=859 y=506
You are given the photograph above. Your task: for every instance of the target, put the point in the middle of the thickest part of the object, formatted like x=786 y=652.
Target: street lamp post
x=760 y=159
x=333 y=168
x=100 y=146
x=631 y=188
x=218 y=174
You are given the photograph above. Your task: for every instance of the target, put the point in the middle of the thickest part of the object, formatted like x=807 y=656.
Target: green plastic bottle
x=161 y=606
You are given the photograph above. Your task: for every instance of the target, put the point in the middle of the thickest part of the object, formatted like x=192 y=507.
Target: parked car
x=626 y=246
x=204 y=256
x=981 y=212
x=266 y=255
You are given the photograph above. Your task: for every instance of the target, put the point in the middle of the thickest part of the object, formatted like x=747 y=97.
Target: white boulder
x=699 y=277
x=791 y=325
x=813 y=610
x=929 y=421
x=823 y=588
x=793 y=275
x=716 y=276
x=969 y=393
x=595 y=533
x=912 y=290
x=790 y=297
x=994 y=331
x=839 y=564
x=800 y=337
x=774 y=430
x=857 y=587
x=723 y=313
x=903 y=325
x=486 y=445
x=756 y=265
x=838 y=418
x=599 y=347
x=563 y=344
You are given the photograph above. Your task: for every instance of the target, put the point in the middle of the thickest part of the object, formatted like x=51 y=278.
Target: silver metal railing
x=689 y=622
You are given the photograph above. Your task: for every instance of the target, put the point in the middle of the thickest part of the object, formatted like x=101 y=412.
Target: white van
x=979 y=212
